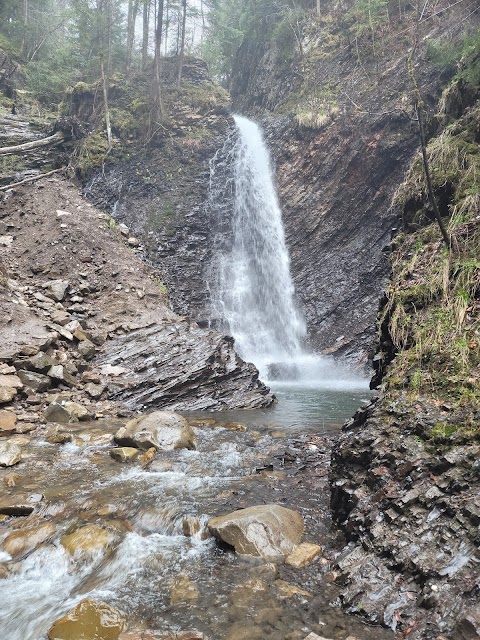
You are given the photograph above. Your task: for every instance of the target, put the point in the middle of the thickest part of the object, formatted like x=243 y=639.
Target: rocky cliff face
x=339 y=126
x=404 y=472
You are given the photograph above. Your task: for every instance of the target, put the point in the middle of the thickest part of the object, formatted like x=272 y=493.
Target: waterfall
x=253 y=292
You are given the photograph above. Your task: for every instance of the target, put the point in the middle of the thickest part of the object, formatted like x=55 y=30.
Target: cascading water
x=251 y=285
x=254 y=292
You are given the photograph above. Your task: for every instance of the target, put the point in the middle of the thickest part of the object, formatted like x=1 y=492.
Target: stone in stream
x=163 y=430
x=87 y=541
x=89 y=620
x=183 y=590
x=24 y=541
x=283 y=371
x=304 y=555
x=268 y=531
x=10 y=454
x=124 y=454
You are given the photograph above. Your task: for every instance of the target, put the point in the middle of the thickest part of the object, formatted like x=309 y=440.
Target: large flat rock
x=179 y=366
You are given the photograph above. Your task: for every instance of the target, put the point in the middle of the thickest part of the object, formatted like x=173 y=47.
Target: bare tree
x=182 y=42
x=158 y=102
x=133 y=6
x=419 y=107
x=146 y=28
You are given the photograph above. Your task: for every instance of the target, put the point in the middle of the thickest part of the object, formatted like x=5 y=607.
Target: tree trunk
x=25 y=27
x=319 y=8
x=131 y=22
x=107 y=110
x=146 y=26
x=423 y=143
x=182 y=43
x=36 y=144
x=158 y=103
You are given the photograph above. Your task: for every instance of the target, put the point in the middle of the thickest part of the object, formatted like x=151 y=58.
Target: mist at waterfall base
x=252 y=290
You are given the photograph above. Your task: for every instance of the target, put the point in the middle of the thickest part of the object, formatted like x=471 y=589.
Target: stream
x=160 y=577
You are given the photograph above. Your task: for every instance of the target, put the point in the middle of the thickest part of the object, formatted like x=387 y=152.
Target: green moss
x=93 y=152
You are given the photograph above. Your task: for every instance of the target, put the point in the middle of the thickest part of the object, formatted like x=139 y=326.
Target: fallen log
x=31 y=179
x=36 y=144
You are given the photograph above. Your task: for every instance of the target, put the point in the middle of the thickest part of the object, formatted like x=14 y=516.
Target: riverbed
x=160 y=568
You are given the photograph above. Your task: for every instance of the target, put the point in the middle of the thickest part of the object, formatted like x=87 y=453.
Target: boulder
x=65 y=412
x=56 y=289
x=40 y=362
x=87 y=541
x=177 y=365
x=10 y=454
x=268 y=531
x=34 y=381
x=24 y=541
x=90 y=619
x=163 y=430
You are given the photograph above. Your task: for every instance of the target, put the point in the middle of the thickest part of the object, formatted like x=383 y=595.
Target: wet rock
x=178 y=365
x=268 y=531
x=10 y=454
x=87 y=541
x=164 y=430
x=34 y=381
x=89 y=619
x=24 y=541
x=56 y=435
x=304 y=555
x=8 y=420
x=147 y=458
x=124 y=454
x=56 y=289
x=314 y=636
x=183 y=590
x=287 y=590
x=16 y=507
